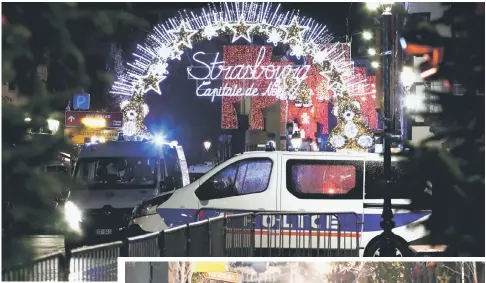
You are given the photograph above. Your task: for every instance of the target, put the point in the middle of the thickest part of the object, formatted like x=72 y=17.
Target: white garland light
x=297 y=50
x=365 y=141
x=274 y=36
x=350 y=130
x=337 y=141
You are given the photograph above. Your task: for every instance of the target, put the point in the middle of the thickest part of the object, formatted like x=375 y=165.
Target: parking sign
x=81 y=101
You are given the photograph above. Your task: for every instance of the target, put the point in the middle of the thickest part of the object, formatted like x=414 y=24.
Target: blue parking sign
x=81 y=101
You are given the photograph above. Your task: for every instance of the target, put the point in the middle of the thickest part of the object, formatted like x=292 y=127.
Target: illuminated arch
x=168 y=41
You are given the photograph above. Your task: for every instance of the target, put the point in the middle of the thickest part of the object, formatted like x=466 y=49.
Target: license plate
x=103 y=231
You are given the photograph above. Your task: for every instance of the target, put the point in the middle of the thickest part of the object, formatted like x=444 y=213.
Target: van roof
x=120 y=149
x=366 y=155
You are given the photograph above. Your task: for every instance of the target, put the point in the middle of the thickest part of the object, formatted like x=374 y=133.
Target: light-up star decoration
x=241 y=29
x=175 y=52
x=183 y=35
x=151 y=82
x=294 y=32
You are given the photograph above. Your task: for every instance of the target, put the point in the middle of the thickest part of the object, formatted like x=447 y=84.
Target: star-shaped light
x=183 y=35
x=150 y=81
x=210 y=31
x=175 y=52
x=310 y=48
x=241 y=29
x=274 y=36
x=321 y=56
x=294 y=31
x=444 y=278
x=297 y=50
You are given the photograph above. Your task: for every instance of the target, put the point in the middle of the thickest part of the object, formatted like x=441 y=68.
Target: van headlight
x=73 y=216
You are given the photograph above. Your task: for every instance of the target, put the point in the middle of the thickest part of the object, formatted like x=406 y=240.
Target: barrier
x=232 y=234
x=95 y=263
x=50 y=267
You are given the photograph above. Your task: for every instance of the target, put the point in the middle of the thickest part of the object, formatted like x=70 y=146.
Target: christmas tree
x=350 y=133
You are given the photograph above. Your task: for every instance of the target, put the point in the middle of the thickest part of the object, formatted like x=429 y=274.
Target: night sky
x=178 y=112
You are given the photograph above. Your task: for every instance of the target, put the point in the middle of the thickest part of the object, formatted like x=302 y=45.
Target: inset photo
x=303 y=272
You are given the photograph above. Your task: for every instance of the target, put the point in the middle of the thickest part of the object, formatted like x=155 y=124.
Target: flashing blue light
x=159 y=140
x=403 y=42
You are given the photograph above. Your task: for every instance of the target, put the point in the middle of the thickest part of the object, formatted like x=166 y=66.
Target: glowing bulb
x=371 y=52
x=367 y=35
x=408 y=77
x=374 y=64
x=28 y=119
x=372 y=6
x=207 y=145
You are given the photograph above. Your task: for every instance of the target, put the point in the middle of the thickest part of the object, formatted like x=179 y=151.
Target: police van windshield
x=117 y=172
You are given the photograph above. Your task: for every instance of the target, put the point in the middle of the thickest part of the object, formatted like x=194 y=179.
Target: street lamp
x=371 y=52
x=207 y=145
x=367 y=35
x=375 y=65
x=372 y=6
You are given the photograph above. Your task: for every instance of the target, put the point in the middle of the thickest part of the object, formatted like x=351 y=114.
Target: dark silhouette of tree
x=55 y=35
x=449 y=179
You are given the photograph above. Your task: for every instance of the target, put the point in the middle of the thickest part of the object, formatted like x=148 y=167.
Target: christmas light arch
x=304 y=36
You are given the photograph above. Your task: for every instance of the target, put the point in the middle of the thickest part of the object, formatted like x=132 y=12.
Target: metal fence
x=227 y=234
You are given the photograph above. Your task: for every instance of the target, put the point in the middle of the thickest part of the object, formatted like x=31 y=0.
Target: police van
x=111 y=178
x=327 y=182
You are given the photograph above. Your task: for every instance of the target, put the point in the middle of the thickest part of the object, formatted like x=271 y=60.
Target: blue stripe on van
x=176 y=216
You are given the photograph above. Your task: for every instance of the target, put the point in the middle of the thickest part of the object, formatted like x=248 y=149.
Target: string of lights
x=241 y=20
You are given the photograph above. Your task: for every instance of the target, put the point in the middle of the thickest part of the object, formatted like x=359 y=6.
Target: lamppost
x=387 y=243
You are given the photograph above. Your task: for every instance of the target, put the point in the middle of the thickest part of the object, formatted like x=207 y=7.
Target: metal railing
x=50 y=267
x=225 y=234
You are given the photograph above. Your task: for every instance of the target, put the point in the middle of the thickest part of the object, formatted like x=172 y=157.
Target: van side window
x=374 y=181
x=241 y=178
x=321 y=179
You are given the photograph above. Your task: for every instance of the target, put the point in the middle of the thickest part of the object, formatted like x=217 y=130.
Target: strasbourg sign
x=217 y=70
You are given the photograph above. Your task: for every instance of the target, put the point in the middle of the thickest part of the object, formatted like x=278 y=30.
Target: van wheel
x=401 y=247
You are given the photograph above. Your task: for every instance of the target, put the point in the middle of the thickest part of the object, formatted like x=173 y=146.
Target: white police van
x=113 y=177
x=323 y=182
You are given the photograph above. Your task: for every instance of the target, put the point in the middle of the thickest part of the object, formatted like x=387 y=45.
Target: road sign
x=74 y=118
x=81 y=136
x=81 y=101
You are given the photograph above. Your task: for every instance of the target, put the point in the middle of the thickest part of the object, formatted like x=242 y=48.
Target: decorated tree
x=350 y=133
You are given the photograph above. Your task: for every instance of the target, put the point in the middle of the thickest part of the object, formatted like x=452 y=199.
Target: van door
x=373 y=203
x=247 y=184
x=331 y=184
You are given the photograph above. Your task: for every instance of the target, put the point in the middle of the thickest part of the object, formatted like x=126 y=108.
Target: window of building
x=241 y=178
x=325 y=179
